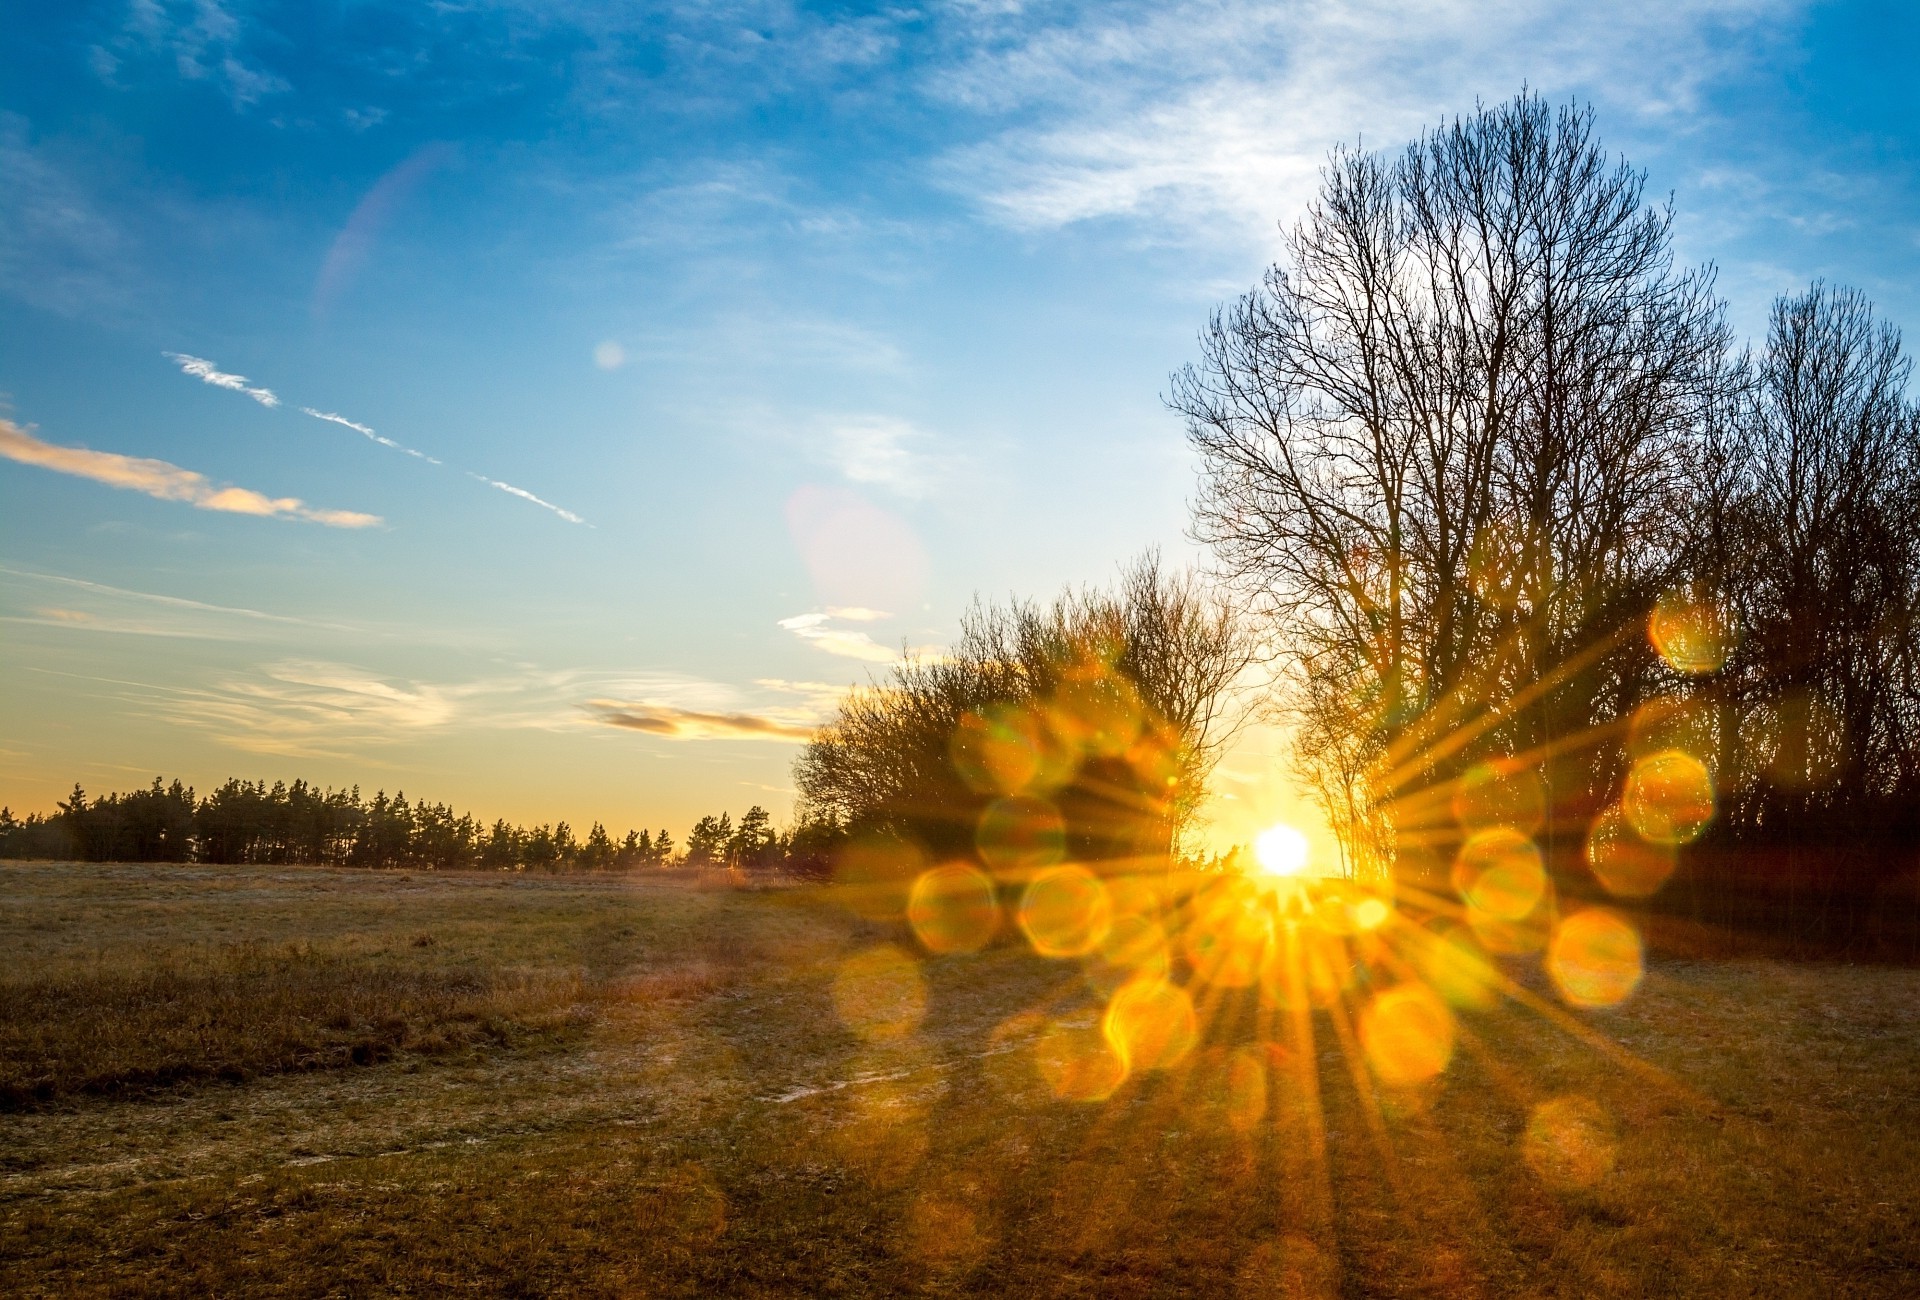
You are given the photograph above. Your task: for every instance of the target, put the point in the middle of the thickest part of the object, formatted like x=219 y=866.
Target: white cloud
x=165 y=481
x=203 y=41
x=883 y=451
x=816 y=631
x=207 y=372
x=1213 y=119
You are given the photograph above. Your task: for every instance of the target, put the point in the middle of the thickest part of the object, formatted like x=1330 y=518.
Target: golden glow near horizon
x=1281 y=851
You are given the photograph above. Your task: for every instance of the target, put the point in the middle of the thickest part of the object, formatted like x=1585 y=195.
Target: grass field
x=311 y=1082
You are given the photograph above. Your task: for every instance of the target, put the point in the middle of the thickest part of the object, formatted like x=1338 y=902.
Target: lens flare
x=1246 y=1088
x=1021 y=833
x=952 y=909
x=1078 y=1063
x=1371 y=913
x=1150 y=1024
x=1693 y=635
x=1007 y=749
x=1797 y=741
x=1700 y=727
x=879 y=993
x=1305 y=969
x=1669 y=797
x=874 y=874
x=1408 y=1034
x=1595 y=958
x=1281 y=851
x=1137 y=943
x=1499 y=872
x=1492 y=795
x=1453 y=965
x=1569 y=1142
x=1627 y=865
x=1065 y=912
x=1098 y=709
x=1228 y=936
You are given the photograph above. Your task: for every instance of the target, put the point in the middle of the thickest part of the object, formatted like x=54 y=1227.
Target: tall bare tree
x=1442 y=445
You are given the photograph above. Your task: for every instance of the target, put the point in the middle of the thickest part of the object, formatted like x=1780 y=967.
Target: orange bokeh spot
x=1227 y=939
x=1408 y=1034
x=1150 y=1024
x=952 y=908
x=1595 y=958
x=1097 y=710
x=874 y=872
x=1569 y=1142
x=1305 y=969
x=1669 y=797
x=1137 y=943
x=1692 y=635
x=1621 y=860
x=1007 y=749
x=1078 y=1063
x=1492 y=794
x=1020 y=833
x=1246 y=1088
x=1451 y=961
x=1065 y=912
x=1499 y=873
x=879 y=993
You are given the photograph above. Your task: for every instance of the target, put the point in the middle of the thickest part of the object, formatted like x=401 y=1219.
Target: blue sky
x=797 y=325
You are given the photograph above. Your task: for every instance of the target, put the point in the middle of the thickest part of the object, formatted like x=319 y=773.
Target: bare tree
x=1442 y=446
x=1823 y=505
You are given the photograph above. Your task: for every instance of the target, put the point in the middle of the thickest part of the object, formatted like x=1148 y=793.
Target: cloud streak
x=205 y=371
x=525 y=495
x=693 y=724
x=816 y=631
x=166 y=481
x=367 y=433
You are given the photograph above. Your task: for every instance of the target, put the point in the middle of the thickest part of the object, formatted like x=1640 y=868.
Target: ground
x=313 y=1082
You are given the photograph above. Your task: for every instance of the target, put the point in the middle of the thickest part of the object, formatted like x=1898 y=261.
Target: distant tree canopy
x=1089 y=725
x=1476 y=436
x=254 y=823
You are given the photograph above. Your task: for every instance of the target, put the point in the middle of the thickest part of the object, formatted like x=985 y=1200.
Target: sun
x=1281 y=851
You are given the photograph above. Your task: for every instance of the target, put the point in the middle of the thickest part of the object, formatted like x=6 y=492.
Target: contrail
x=369 y=433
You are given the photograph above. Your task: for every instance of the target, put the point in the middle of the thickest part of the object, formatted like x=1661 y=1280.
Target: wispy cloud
x=205 y=371
x=817 y=631
x=692 y=724
x=168 y=482
x=202 y=42
x=883 y=451
x=59 y=248
x=525 y=495
x=367 y=433
x=1211 y=117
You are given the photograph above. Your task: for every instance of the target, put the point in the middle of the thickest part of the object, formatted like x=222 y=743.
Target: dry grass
x=710 y=1125
x=248 y=1009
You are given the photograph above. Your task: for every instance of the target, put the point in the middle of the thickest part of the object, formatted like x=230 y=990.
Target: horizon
x=555 y=424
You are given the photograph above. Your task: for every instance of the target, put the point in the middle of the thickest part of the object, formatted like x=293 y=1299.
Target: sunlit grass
x=777 y=1094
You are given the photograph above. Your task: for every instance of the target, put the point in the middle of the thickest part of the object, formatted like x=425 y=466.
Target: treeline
x=256 y=823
